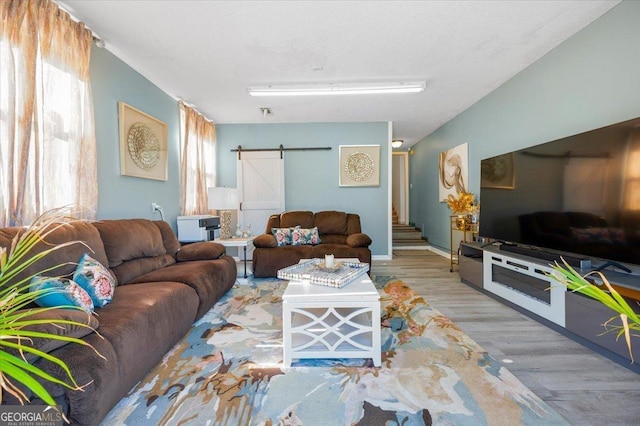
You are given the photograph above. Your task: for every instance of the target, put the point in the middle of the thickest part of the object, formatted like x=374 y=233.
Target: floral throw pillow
x=283 y=235
x=60 y=292
x=303 y=236
x=92 y=276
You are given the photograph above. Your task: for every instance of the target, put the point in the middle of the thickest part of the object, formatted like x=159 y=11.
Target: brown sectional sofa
x=162 y=289
x=340 y=235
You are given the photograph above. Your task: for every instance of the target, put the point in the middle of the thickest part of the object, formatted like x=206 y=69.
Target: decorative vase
x=461 y=222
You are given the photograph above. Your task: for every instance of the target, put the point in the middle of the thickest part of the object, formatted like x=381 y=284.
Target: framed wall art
x=359 y=165
x=143 y=144
x=453 y=166
x=498 y=172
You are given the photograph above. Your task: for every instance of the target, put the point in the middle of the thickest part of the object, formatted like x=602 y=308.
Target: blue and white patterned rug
x=227 y=371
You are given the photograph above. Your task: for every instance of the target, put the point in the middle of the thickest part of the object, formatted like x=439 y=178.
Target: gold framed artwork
x=143 y=144
x=498 y=172
x=359 y=165
x=453 y=169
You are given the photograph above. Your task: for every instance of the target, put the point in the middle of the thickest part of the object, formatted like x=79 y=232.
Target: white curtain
x=47 y=135
x=198 y=162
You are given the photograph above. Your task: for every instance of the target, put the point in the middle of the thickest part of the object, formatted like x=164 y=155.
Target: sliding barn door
x=261 y=188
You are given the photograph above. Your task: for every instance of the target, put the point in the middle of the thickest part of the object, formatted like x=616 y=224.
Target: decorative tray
x=316 y=272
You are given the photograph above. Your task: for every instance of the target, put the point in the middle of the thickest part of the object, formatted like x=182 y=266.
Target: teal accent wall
x=589 y=81
x=311 y=177
x=124 y=196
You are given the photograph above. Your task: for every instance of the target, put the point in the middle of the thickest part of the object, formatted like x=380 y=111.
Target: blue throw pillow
x=61 y=292
x=92 y=276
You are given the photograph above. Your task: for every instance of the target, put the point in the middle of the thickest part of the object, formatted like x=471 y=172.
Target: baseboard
x=440 y=252
x=381 y=257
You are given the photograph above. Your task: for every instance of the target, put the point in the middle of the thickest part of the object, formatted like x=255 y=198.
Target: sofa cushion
x=331 y=222
x=58 y=291
x=169 y=238
x=353 y=224
x=64 y=258
x=128 y=239
x=200 y=251
x=291 y=219
x=334 y=239
x=58 y=329
x=209 y=278
x=132 y=269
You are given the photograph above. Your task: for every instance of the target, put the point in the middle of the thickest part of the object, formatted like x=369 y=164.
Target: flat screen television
x=579 y=194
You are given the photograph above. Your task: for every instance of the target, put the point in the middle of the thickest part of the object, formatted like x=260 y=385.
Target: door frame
x=404 y=184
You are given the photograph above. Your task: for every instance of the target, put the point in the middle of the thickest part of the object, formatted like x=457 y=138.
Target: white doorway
x=260 y=188
x=400 y=186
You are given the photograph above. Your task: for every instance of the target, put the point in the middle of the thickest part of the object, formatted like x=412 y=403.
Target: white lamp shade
x=223 y=198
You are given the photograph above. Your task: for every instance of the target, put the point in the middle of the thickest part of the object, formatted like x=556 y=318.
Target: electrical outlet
x=154 y=207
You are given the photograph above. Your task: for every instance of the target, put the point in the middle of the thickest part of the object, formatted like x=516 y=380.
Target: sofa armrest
x=203 y=250
x=265 y=241
x=358 y=240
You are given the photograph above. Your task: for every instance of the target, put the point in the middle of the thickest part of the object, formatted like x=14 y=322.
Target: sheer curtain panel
x=197 y=168
x=47 y=135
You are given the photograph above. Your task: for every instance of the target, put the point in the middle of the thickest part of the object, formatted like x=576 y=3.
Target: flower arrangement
x=462 y=204
x=609 y=297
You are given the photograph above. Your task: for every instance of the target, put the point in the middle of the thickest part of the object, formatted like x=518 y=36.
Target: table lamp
x=223 y=200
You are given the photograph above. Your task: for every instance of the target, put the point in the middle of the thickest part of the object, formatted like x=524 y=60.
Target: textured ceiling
x=208 y=52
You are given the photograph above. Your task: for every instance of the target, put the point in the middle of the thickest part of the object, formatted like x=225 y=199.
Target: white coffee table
x=328 y=322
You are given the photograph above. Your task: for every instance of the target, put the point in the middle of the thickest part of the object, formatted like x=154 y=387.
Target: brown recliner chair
x=340 y=234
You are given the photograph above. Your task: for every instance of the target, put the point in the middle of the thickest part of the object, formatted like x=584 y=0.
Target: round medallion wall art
x=144 y=146
x=359 y=166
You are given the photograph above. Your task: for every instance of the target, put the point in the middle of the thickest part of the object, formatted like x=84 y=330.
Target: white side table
x=237 y=242
x=328 y=322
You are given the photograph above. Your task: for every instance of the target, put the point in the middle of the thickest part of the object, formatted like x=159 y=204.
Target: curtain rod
x=281 y=148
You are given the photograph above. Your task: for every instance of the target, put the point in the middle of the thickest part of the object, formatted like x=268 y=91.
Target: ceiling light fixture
x=396 y=143
x=315 y=89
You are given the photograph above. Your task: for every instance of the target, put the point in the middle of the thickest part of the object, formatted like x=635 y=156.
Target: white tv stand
x=520 y=281
x=524 y=283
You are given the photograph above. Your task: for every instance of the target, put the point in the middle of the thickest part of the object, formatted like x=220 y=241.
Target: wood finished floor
x=583 y=386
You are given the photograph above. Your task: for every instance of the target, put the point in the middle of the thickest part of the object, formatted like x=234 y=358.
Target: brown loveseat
x=162 y=288
x=340 y=234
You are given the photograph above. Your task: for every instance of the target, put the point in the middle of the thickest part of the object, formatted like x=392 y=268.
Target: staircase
x=407 y=237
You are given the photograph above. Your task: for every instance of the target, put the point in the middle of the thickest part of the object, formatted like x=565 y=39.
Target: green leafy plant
x=609 y=297
x=16 y=324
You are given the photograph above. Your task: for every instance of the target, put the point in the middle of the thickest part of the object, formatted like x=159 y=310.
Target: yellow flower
x=462 y=204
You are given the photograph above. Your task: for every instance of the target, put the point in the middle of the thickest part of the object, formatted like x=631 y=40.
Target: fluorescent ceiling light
x=337 y=89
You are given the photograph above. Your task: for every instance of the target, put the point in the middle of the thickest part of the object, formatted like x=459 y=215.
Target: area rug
x=228 y=371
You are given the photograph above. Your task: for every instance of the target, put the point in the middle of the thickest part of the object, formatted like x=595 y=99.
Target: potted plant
x=17 y=327
x=608 y=296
